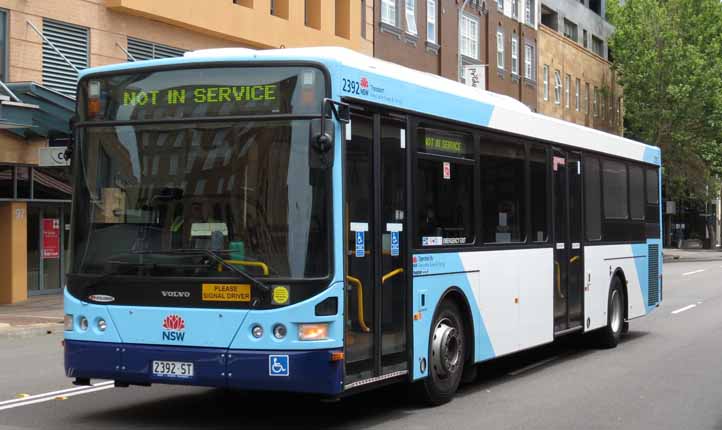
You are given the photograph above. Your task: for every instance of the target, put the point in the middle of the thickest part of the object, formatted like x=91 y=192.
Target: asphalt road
x=666 y=374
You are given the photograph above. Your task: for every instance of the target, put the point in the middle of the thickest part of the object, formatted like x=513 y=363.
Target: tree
x=668 y=55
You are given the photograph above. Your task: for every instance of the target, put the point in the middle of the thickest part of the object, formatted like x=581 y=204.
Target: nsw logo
x=174 y=328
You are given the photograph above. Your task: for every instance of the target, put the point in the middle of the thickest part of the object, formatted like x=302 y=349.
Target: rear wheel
x=448 y=351
x=609 y=335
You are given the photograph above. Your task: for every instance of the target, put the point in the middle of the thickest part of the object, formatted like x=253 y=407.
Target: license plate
x=176 y=369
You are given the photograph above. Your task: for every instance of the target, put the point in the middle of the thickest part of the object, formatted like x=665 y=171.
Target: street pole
x=458 y=55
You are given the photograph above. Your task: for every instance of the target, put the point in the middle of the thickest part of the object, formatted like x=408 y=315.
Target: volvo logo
x=181 y=294
x=101 y=298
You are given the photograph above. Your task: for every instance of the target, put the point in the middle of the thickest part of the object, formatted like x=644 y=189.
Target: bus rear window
x=202 y=92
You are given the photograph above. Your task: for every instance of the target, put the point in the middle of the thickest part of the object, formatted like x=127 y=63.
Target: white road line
x=55 y=393
x=47 y=399
x=693 y=272
x=686 y=308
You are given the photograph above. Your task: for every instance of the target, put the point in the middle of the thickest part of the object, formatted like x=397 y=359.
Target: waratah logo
x=364 y=83
x=174 y=327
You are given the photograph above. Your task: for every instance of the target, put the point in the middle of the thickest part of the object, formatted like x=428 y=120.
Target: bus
x=317 y=221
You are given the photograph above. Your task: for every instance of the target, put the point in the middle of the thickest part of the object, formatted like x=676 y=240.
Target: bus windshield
x=243 y=190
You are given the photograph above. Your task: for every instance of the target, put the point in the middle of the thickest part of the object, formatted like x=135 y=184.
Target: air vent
x=653 y=283
x=144 y=50
x=72 y=42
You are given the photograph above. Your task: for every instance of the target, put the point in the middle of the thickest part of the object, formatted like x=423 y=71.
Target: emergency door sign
x=51 y=238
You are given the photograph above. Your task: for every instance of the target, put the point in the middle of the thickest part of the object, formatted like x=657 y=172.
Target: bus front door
x=376 y=270
x=568 y=250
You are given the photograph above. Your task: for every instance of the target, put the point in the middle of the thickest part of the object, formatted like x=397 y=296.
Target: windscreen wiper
x=265 y=289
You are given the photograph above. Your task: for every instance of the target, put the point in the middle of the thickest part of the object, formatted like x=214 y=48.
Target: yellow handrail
x=557 y=268
x=573 y=259
x=391 y=274
x=360 y=300
x=263 y=266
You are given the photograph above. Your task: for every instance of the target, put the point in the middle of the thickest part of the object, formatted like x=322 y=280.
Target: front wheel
x=446 y=362
x=609 y=335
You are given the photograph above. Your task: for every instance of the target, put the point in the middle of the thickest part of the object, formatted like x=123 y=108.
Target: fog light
x=83 y=324
x=102 y=325
x=257 y=331
x=313 y=331
x=279 y=331
x=68 y=322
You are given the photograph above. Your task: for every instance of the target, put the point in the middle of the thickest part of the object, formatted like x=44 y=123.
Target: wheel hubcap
x=616 y=318
x=445 y=349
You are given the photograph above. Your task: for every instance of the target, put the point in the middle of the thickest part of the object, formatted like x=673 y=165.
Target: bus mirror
x=321 y=143
x=343 y=112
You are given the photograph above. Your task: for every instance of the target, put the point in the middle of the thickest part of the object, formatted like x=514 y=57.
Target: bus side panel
x=512 y=309
x=601 y=263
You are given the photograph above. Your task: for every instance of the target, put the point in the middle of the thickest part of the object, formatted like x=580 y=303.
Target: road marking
x=693 y=272
x=44 y=397
x=686 y=308
x=533 y=366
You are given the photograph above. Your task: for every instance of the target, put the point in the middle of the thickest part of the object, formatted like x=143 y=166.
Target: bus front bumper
x=310 y=371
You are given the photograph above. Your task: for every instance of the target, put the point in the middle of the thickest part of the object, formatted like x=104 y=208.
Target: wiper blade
x=265 y=289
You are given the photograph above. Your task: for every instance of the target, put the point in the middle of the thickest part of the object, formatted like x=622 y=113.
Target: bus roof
x=398 y=86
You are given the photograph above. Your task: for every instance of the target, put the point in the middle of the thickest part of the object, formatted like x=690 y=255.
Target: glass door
x=46 y=243
x=375 y=206
x=568 y=253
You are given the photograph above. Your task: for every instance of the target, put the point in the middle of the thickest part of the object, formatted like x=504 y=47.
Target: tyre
x=608 y=337
x=447 y=347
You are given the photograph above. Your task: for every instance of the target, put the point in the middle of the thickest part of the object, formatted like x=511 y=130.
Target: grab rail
x=263 y=266
x=360 y=304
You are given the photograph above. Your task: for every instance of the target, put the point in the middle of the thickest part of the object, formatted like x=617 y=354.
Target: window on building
x=500 y=49
x=567 y=91
x=514 y=54
x=614 y=185
x=279 y=8
x=515 y=9
x=411 y=16
x=557 y=87
x=529 y=62
x=312 y=14
x=586 y=98
x=636 y=192
x=500 y=5
x=596 y=102
x=585 y=39
x=3 y=45
x=592 y=198
x=503 y=192
x=342 y=19
x=72 y=41
x=388 y=12
x=529 y=12
x=538 y=169
x=143 y=50
x=431 y=21
x=470 y=37
x=549 y=18
x=596 y=6
x=545 y=82
x=444 y=189
x=603 y=100
x=363 y=19
x=577 y=84
x=571 y=31
x=597 y=46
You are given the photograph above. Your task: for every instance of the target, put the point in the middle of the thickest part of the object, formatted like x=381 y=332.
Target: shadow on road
x=226 y=409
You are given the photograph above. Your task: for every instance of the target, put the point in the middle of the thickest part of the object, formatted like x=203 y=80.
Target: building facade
x=498 y=37
x=576 y=80
x=44 y=45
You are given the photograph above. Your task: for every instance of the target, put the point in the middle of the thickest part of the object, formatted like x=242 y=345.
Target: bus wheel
x=609 y=335
x=446 y=364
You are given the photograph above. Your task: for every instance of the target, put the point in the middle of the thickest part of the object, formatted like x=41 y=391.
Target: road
x=666 y=374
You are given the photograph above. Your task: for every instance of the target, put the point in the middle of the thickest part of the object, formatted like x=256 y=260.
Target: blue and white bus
x=318 y=221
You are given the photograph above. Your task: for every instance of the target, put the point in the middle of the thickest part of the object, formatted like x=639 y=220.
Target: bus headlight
x=68 y=322
x=102 y=325
x=257 y=331
x=279 y=331
x=318 y=331
x=83 y=324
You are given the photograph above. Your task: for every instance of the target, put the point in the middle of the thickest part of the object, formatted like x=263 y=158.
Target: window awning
x=41 y=112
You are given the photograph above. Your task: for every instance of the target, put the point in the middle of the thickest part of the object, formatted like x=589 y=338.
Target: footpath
x=39 y=315
x=43 y=315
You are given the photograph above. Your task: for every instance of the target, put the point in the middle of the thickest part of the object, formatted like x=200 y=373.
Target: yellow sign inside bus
x=226 y=292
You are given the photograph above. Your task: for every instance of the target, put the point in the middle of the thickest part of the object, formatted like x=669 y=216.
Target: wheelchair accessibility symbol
x=278 y=365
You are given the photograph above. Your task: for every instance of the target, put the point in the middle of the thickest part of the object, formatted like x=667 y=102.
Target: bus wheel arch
x=619 y=273
x=449 y=337
x=609 y=335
